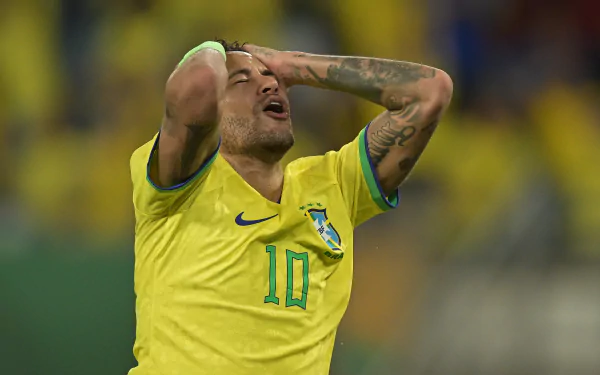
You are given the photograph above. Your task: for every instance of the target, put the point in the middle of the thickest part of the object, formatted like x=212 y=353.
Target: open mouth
x=274 y=107
x=276 y=110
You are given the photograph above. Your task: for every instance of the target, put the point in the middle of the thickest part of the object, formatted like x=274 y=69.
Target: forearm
x=195 y=89
x=414 y=95
x=385 y=82
x=189 y=133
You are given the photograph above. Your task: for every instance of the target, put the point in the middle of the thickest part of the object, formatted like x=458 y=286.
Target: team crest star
x=319 y=204
x=310 y=205
x=302 y=208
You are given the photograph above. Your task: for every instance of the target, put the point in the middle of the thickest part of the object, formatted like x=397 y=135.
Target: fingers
x=248 y=47
x=255 y=51
x=259 y=51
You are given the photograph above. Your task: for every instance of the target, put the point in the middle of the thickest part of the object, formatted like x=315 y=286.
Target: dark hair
x=229 y=47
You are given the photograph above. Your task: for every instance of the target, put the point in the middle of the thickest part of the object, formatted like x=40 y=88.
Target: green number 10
x=290 y=258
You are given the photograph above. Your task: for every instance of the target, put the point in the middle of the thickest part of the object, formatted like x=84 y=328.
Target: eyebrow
x=244 y=71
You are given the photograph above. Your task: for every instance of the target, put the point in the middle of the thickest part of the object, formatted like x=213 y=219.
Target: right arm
x=189 y=131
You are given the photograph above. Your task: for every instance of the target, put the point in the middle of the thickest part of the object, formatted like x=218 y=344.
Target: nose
x=269 y=85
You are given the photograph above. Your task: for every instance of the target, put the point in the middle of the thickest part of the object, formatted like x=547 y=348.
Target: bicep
x=396 y=140
x=182 y=150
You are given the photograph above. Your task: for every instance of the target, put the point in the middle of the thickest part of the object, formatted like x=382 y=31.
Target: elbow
x=192 y=82
x=432 y=93
x=439 y=91
x=195 y=91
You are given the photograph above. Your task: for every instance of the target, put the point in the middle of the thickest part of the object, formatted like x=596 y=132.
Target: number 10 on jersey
x=290 y=258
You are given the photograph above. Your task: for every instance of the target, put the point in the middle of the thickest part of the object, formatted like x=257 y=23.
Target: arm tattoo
x=387 y=136
x=400 y=134
x=368 y=78
x=398 y=130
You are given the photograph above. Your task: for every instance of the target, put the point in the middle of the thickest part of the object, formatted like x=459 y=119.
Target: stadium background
x=489 y=266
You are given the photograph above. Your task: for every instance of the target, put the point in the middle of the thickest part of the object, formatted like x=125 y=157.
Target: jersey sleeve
x=358 y=181
x=153 y=200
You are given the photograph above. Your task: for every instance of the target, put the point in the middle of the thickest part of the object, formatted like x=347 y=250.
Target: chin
x=277 y=143
x=280 y=144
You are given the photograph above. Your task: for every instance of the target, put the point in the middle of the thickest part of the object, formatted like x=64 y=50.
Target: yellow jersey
x=228 y=282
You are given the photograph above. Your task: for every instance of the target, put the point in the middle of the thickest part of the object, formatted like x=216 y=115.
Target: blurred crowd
x=81 y=87
x=511 y=176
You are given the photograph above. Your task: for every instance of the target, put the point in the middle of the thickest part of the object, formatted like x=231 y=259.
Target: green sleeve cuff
x=385 y=203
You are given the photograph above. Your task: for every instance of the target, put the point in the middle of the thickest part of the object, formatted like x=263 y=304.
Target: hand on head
x=279 y=62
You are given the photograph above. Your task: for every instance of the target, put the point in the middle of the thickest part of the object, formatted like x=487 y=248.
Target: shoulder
x=311 y=165
x=139 y=158
x=150 y=200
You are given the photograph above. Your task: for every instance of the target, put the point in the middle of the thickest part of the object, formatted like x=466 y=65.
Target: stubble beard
x=245 y=136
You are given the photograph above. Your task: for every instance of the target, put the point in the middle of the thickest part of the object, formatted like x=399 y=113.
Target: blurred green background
x=490 y=265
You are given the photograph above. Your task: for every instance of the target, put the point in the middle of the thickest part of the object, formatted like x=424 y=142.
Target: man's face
x=256 y=112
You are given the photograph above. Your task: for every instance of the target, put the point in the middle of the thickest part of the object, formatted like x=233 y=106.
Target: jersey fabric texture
x=228 y=282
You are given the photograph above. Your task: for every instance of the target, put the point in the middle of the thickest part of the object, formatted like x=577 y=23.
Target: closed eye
x=240 y=81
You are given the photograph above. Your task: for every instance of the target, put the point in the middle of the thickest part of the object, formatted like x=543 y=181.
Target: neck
x=266 y=178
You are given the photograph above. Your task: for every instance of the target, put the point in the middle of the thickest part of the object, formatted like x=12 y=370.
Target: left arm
x=414 y=95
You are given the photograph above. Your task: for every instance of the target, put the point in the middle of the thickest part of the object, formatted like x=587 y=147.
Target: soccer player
x=242 y=266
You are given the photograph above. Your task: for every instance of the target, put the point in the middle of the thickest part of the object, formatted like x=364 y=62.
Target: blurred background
x=491 y=264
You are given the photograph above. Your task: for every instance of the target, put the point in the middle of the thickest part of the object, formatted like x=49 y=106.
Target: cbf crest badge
x=321 y=223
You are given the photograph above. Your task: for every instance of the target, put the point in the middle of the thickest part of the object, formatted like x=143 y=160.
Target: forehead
x=240 y=60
